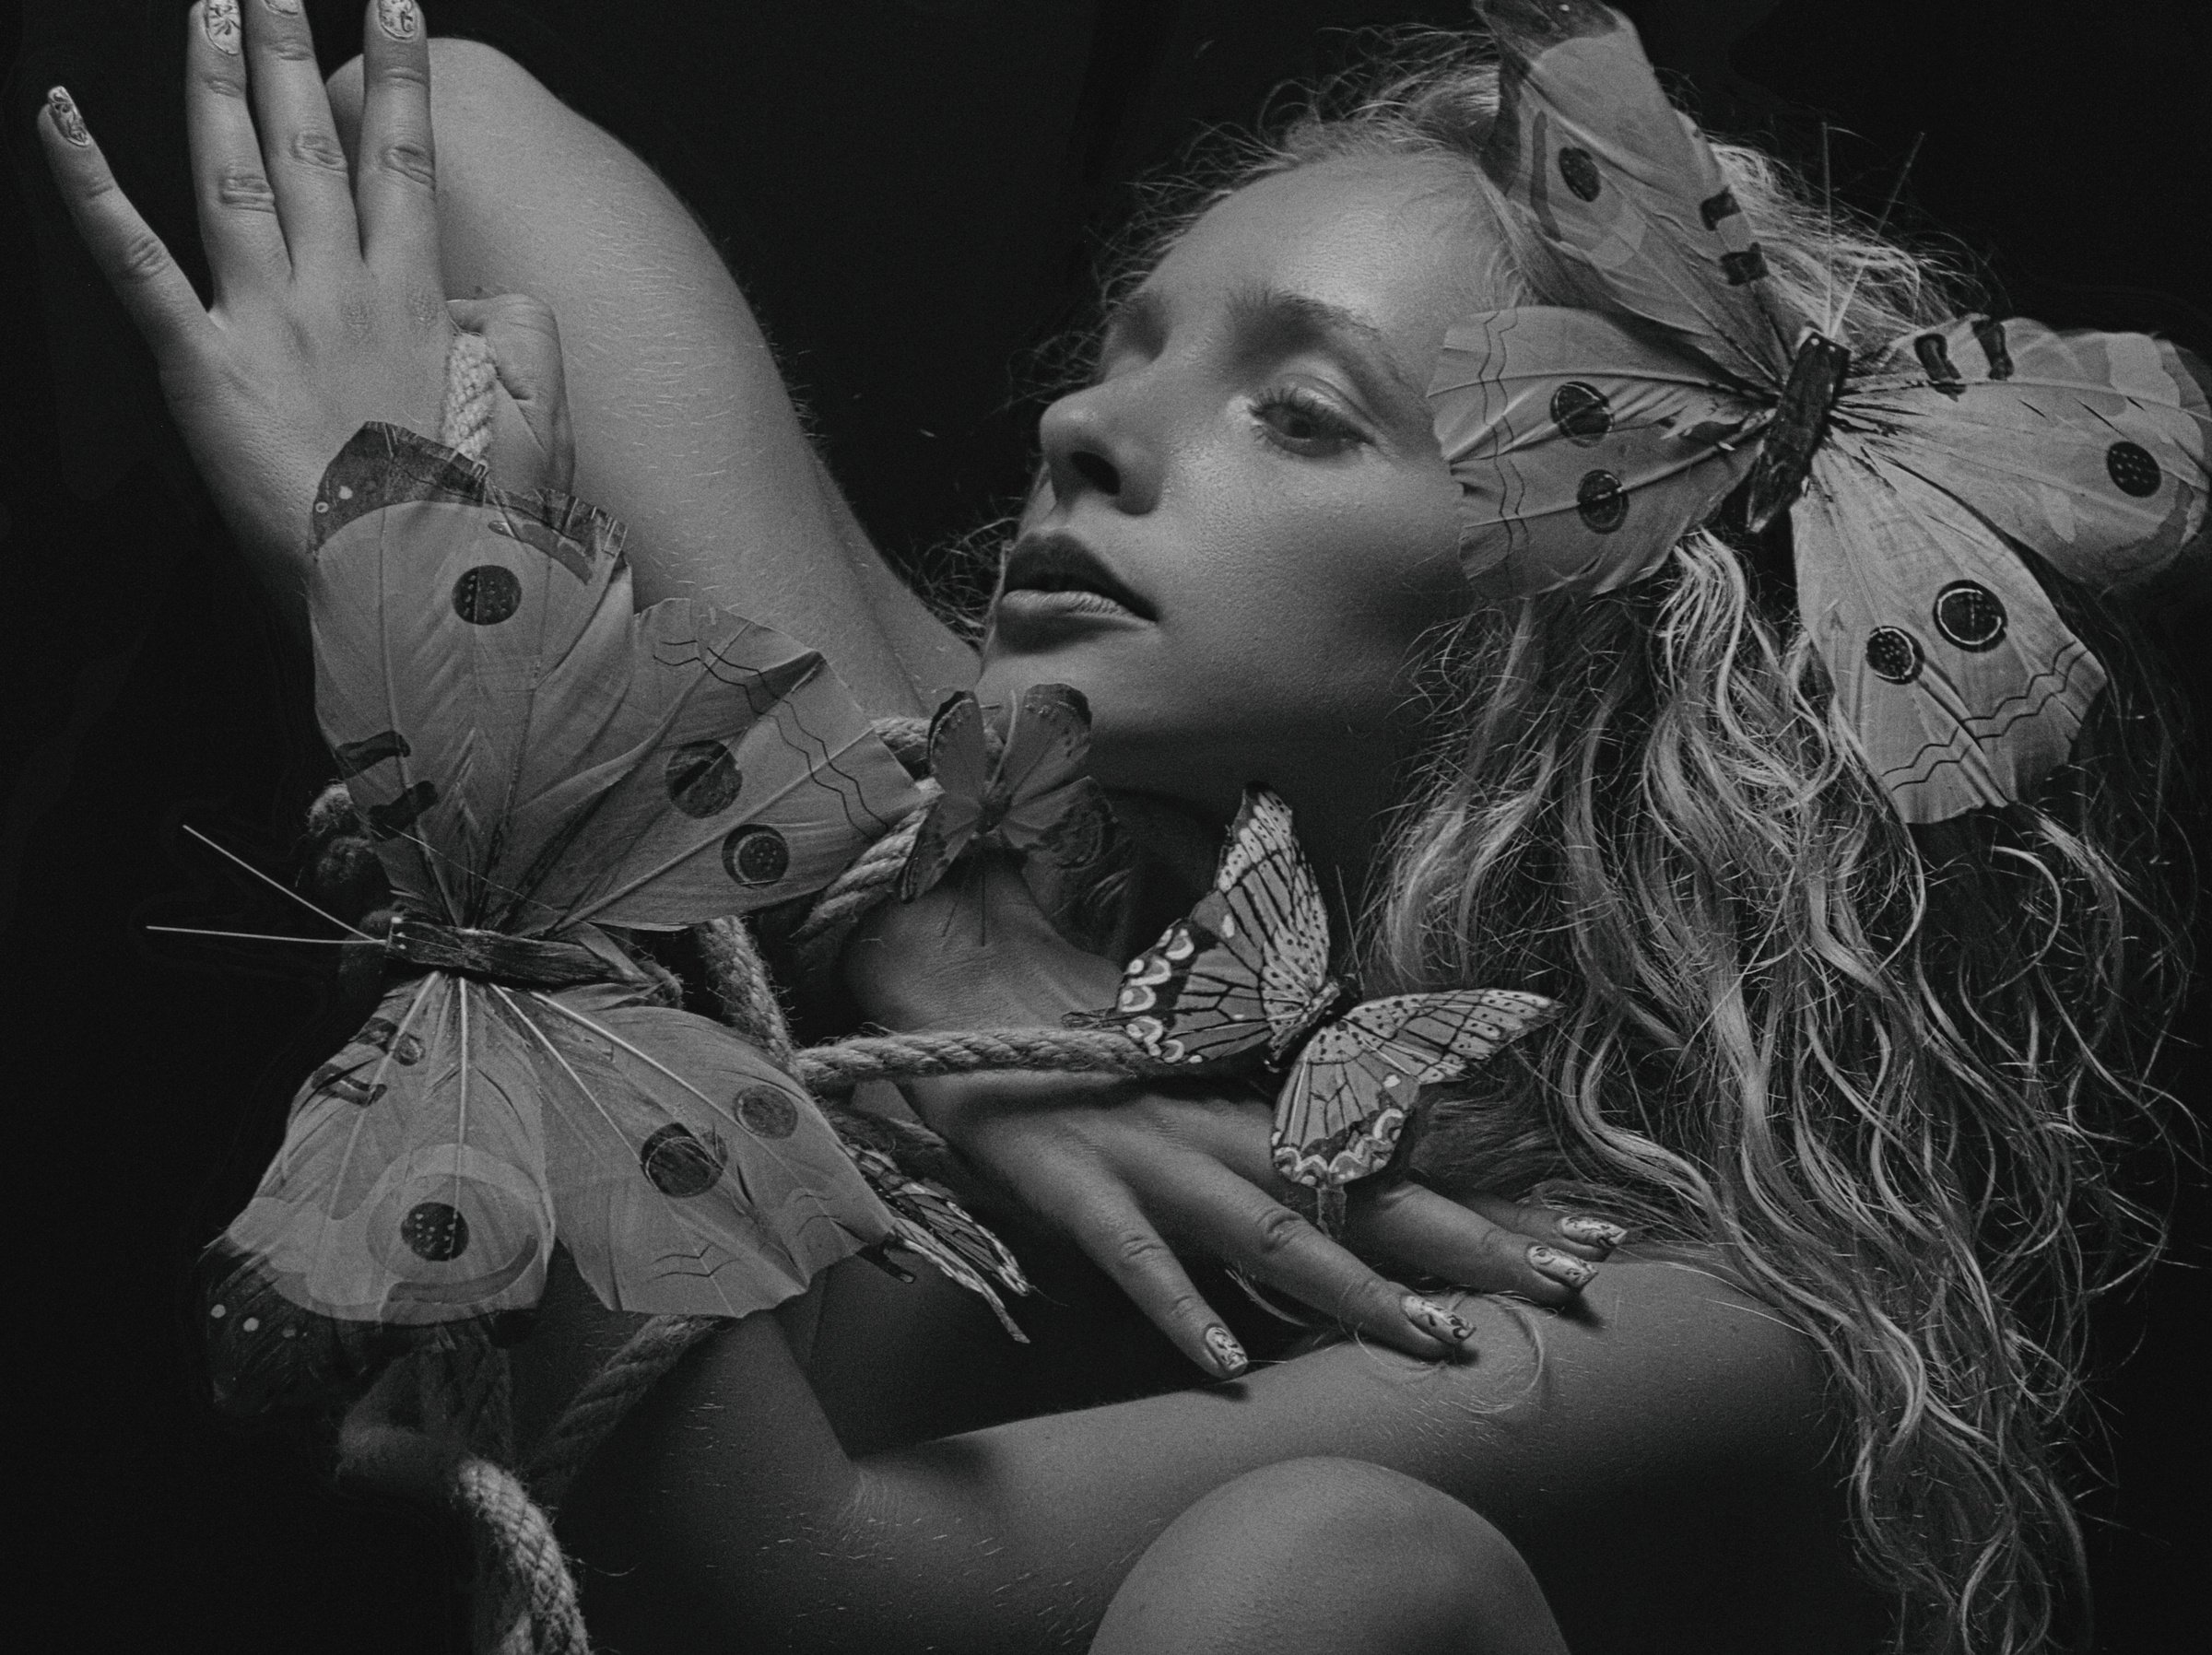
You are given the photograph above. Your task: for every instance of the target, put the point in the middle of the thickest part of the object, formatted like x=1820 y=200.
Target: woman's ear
x=532 y=444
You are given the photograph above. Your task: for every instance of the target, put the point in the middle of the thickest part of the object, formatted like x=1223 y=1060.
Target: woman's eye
x=1304 y=422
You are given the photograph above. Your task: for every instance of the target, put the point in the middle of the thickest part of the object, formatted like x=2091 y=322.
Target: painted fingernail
x=399 y=18
x=218 y=18
x=1227 y=1355
x=1559 y=1266
x=283 y=8
x=1436 y=1321
x=63 y=108
x=1592 y=1232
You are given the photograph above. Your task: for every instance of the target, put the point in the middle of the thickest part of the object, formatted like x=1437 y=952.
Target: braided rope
x=857 y=892
x=594 y=1411
x=748 y=998
x=843 y=1064
x=469 y=379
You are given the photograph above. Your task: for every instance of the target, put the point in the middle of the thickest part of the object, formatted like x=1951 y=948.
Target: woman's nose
x=1092 y=447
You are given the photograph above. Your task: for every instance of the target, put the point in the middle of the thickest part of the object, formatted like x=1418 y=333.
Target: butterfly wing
x=960 y=760
x=1248 y=968
x=1583 y=453
x=1963 y=683
x=1341 y=1112
x=1624 y=189
x=689 y=1175
x=2093 y=449
x=935 y=1226
x=527 y=752
x=411 y=1189
x=1054 y=815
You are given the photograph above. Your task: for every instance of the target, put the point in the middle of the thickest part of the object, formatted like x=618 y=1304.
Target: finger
x=1438 y=1236
x=1125 y=1245
x=156 y=294
x=396 y=182
x=298 y=138
x=1242 y=1226
x=238 y=208
x=1584 y=1235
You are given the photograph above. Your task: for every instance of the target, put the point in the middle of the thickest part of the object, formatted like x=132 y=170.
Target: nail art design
x=218 y=18
x=1592 y=1232
x=399 y=18
x=1438 y=1322
x=1227 y=1355
x=1559 y=1266
x=66 y=116
x=283 y=8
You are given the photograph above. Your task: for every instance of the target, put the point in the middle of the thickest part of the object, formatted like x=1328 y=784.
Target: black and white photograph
x=1151 y=826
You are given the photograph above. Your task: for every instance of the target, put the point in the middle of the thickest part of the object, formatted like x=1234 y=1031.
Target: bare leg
x=1329 y=1557
x=684 y=426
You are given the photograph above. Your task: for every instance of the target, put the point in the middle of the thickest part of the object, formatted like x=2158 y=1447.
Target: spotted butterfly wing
x=1344 y=1105
x=1248 y=971
x=530 y=752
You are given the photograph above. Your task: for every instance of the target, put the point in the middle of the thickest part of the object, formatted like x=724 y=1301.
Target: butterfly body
x=1587 y=442
x=1246 y=977
x=536 y=760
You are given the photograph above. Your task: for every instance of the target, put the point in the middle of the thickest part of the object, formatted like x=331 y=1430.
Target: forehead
x=1404 y=242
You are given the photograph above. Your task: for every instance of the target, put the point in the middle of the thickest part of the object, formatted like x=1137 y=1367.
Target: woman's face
x=1247 y=523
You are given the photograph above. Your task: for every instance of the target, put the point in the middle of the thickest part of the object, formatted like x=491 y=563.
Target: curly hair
x=1884 y=1075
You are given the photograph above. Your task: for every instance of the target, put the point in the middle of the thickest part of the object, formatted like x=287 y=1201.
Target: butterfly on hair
x=1020 y=786
x=1244 y=978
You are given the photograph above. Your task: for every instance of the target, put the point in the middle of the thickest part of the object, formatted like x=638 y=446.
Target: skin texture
x=1287 y=550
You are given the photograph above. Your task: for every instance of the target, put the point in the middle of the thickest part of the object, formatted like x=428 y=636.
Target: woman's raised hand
x=1134 y=1174
x=329 y=309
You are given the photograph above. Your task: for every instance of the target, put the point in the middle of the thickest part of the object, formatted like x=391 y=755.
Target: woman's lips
x=1053 y=584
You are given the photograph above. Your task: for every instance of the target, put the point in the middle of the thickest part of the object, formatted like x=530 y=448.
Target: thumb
x=531 y=445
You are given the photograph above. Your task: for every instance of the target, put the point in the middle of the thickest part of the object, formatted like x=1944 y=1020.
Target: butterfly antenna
x=277 y=885
x=258 y=937
x=1896 y=191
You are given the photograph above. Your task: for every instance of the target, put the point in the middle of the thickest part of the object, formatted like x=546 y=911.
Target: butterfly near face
x=536 y=761
x=1246 y=977
x=1029 y=796
x=1588 y=442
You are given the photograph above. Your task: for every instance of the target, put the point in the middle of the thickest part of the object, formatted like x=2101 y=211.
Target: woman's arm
x=1658 y=1456
x=684 y=426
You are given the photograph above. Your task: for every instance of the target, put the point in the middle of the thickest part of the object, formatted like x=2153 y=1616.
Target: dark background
x=914 y=192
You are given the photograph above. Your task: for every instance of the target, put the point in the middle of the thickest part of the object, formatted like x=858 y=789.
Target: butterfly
x=1032 y=796
x=1247 y=974
x=1587 y=442
x=537 y=762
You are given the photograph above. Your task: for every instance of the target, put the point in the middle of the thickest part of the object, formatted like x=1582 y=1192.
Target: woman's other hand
x=328 y=307
x=1134 y=1174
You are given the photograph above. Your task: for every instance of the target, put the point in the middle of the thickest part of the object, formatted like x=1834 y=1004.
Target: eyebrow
x=1270 y=320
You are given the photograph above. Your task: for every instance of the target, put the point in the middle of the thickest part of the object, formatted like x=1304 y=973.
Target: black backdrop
x=912 y=192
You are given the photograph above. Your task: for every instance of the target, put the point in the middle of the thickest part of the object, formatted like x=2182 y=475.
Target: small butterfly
x=534 y=761
x=1587 y=442
x=1247 y=973
x=1031 y=797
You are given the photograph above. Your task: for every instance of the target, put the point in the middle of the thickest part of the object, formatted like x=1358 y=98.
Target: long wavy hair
x=1883 y=1075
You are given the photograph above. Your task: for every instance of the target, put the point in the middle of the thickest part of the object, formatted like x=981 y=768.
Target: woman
x=1247 y=542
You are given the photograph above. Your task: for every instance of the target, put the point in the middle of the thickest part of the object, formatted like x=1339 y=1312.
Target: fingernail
x=1227 y=1355
x=1436 y=1321
x=398 y=19
x=1550 y=1262
x=66 y=116
x=1592 y=1232
x=283 y=8
x=218 y=18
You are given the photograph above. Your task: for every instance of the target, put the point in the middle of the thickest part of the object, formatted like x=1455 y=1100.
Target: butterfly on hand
x=535 y=761
x=1030 y=795
x=1588 y=442
x=1246 y=975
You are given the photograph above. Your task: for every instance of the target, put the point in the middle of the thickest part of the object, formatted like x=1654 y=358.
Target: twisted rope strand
x=470 y=378
x=841 y=1065
x=598 y=1408
x=858 y=891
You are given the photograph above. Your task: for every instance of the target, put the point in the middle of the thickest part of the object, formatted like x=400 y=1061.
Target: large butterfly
x=536 y=760
x=1587 y=442
x=1247 y=974
x=1032 y=797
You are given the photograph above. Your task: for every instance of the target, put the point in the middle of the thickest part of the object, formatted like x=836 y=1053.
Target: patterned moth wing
x=1583 y=453
x=1248 y=969
x=960 y=760
x=1963 y=684
x=933 y=1225
x=1622 y=186
x=1340 y=1114
x=527 y=751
